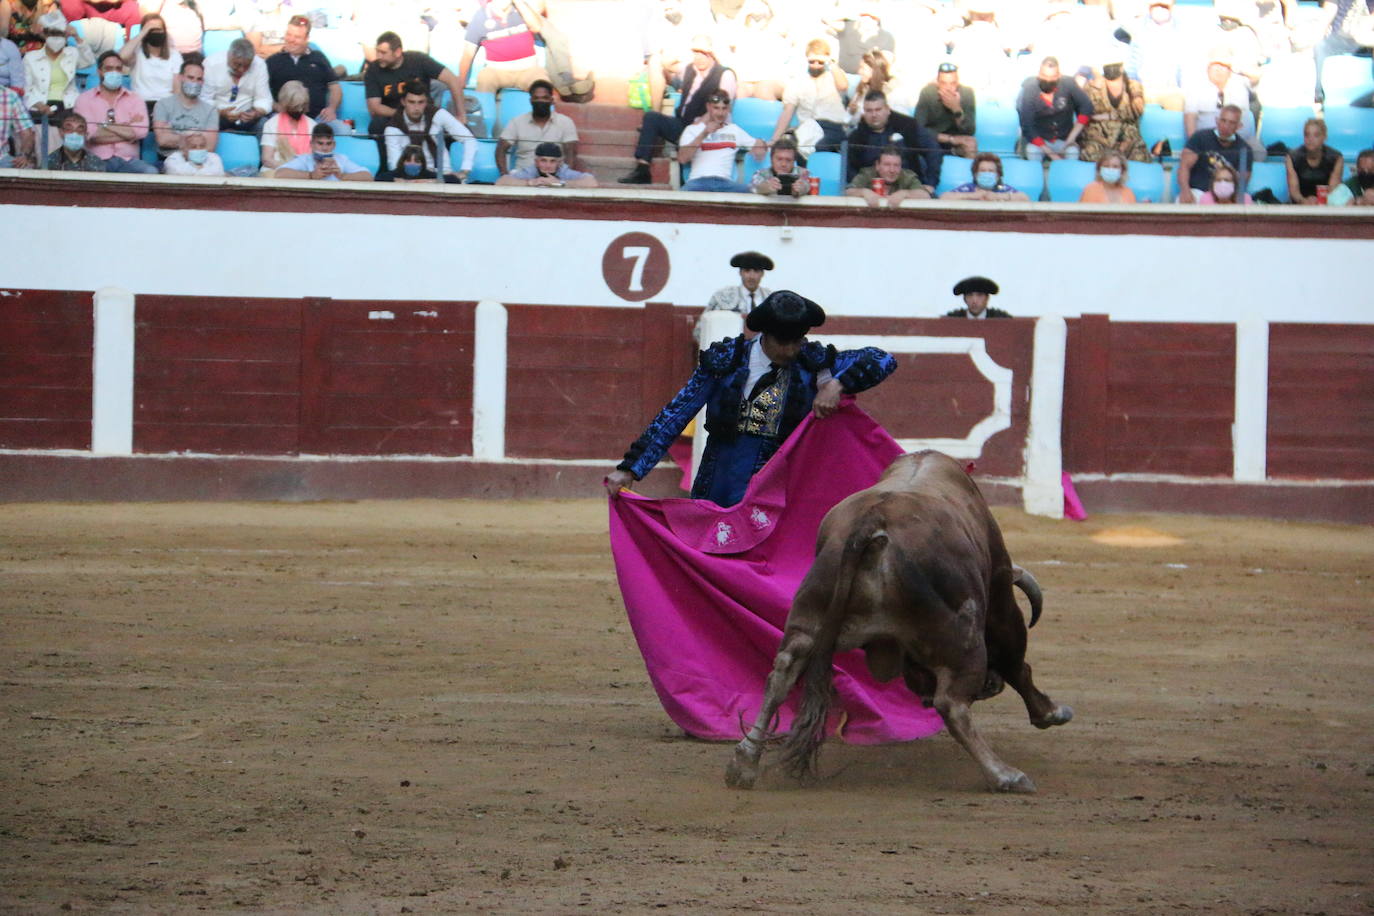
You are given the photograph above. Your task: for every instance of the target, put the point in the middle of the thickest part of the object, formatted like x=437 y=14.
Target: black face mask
x=1111 y=72
x=156 y=39
x=1366 y=180
x=1048 y=85
x=541 y=109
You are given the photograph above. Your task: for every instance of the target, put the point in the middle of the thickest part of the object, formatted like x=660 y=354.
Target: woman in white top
x=286 y=134
x=152 y=61
x=194 y=158
x=184 y=24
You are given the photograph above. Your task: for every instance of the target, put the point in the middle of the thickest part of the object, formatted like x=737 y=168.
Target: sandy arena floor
x=425 y=707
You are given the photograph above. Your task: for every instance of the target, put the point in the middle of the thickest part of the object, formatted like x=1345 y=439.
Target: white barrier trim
x=1043 y=491
x=112 y=372
x=1250 y=429
x=489 y=361
x=971 y=446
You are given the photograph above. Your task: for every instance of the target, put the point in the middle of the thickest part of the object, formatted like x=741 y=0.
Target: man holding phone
x=782 y=177
x=322 y=163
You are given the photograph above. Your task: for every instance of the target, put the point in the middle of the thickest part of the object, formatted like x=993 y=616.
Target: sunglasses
x=719 y=99
x=949 y=68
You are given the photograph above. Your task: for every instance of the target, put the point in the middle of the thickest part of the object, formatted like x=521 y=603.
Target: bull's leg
x=788 y=664
x=954 y=691
x=1006 y=641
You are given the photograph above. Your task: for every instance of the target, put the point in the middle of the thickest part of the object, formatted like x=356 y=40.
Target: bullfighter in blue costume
x=756 y=391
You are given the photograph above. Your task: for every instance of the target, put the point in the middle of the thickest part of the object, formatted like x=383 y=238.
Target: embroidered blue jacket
x=718 y=384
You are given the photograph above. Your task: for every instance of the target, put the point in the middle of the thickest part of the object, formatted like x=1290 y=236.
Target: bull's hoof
x=742 y=770
x=1019 y=783
x=1060 y=716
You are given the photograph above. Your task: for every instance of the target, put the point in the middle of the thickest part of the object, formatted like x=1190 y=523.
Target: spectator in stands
x=1118 y=102
x=116 y=119
x=1159 y=49
x=73 y=156
x=760 y=52
x=548 y=171
x=1110 y=184
x=185 y=24
x=184 y=113
x=237 y=87
x=948 y=110
x=500 y=28
x=420 y=122
x=152 y=61
x=123 y=13
x=265 y=26
x=817 y=102
x=393 y=68
x=195 y=159
x=19 y=22
x=1053 y=112
x=882 y=127
x=987 y=183
x=703 y=78
x=886 y=183
x=783 y=177
x=322 y=163
x=876 y=74
x=1350 y=28
x=298 y=61
x=541 y=124
x=1207 y=97
x=743 y=297
x=1225 y=189
x=1207 y=149
x=975 y=291
x=981 y=47
x=50 y=71
x=710 y=143
x=861 y=33
x=1359 y=190
x=11 y=65
x=1313 y=164
x=410 y=168
x=16 y=131
x=287 y=133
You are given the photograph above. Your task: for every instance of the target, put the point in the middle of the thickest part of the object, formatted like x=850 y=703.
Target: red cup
x=879 y=187
x=815 y=185
x=1322 y=191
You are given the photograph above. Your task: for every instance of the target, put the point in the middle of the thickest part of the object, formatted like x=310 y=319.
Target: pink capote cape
x=708 y=589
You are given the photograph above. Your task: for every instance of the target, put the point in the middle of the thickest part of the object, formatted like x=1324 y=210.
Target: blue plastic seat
x=1273 y=175
x=147 y=150
x=829 y=168
x=954 y=171
x=997 y=130
x=1025 y=176
x=216 y=40
x=484 y=170
x=510 y=104
x=1350 y=129
x=757 y=117
x=354 y=105
x=239 y=151
x=1068 y=178
x=1346 y=78
x=1284 y=125
x=340 y=46
x=486 y=127
x=362 y=150
x=1146 y=179
x=1158 y=124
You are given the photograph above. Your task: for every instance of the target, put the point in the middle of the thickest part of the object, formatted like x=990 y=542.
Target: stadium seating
x=1346 y=78
x=484 y=170
x=216 y=40
x=1272 y=175
x=954 y=171
x=1024 y=176
x=1158 y=124
x=354 y=105
x=340 y=46
x=1284 y=125
x=1350 y=129
x=756 y=116
x=829 y=168
x=997 y=129
x=362 y=150
x=510 y=104
x=1067 y=179
x=147 y=150
x=239 y=151
x=1146 y=179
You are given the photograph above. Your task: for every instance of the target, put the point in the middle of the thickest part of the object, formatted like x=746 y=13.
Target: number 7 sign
x=635 y=266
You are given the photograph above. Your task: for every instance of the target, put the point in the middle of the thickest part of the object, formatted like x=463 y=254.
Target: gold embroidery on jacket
x=762 y=414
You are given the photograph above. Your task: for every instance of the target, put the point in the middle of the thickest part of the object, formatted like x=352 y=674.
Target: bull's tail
x=801 y=750
x=1026 y=582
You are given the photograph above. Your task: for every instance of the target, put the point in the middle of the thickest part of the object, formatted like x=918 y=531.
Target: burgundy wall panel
x=1321 y=401
x=45 y=369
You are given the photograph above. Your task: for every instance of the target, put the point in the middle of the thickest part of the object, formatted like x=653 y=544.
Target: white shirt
x=816 y=98
x=716 y=155
x=178 y=164
x=737 y=299
x=1202 y=99
x=253 y=87
x=443 y=124
x=152 y=76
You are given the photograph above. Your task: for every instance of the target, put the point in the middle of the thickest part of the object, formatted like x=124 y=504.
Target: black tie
x=751 y=300
x=766 y=380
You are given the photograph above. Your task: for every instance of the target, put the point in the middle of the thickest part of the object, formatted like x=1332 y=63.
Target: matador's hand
x=827 y=399
x=619 y=480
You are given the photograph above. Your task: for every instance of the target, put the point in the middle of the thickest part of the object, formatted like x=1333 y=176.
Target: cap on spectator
x=785 y=314
x=1085 y=71
x=548 y=148
x=703 y=44
x=752 y=260
x=52 y=21
x=975 y=285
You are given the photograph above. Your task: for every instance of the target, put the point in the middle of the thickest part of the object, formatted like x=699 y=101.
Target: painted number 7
x=640 y=255
x=635 y=266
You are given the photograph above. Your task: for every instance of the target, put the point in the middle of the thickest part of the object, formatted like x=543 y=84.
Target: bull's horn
x=1026 y=582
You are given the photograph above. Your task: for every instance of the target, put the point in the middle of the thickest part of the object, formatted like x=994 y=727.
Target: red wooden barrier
x=45 y=369
x=1321 y=401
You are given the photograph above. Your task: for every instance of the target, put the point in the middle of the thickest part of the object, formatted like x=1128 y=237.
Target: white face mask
x=1111 y=174
x=1224 y=190
x=197 y=156
x=56 y=43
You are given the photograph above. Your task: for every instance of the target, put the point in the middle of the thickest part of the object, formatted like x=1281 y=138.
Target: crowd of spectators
x=863 y=78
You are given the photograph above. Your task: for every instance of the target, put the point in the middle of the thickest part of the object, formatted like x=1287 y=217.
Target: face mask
x=986 y=180
x=321 y=157
x=296 y=113
x=197 y=156
x=1048 y=85
x=1228 y=25
x=1224 y=190
x=1366 y=180
x=56 y=43
x=412 y=169
x=1111 y=72
x=1111 y=174
x=192 y=90
x=74 y=142
x=112 y=80
x=541 y=109
x=156 y=39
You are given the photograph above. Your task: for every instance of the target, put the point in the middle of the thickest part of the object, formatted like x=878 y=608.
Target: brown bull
x=913 y=571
